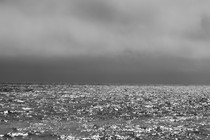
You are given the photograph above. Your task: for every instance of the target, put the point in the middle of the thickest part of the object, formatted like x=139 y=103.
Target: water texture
x=104 y=112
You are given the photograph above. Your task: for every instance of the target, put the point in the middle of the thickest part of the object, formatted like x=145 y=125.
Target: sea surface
x=104 y=112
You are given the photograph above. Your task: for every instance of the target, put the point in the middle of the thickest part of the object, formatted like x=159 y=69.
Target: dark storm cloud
x=122 y=69
x=112 y=40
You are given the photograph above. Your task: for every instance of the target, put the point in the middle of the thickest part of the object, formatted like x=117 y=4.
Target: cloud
x=69 y=28
x=202 y=32
x=122 y=69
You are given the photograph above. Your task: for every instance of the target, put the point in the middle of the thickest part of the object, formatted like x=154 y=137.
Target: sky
x=105 y=41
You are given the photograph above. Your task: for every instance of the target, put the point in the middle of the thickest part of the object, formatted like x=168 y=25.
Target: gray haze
x=105 y=41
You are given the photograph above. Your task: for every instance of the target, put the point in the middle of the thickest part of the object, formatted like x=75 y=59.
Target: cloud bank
x=139 y=37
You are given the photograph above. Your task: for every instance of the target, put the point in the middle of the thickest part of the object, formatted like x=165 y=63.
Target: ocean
x=104 y=112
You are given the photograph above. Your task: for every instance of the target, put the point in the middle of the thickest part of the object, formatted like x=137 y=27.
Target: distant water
x=68 y=112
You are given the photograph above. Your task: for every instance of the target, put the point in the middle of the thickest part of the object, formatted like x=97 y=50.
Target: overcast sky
x=105 y=41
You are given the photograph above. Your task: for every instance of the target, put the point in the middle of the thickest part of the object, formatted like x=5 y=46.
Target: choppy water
x=68 y=112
